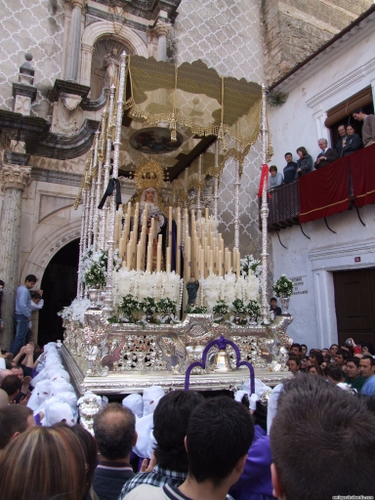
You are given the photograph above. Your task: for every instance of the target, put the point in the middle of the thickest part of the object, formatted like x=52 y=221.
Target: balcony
x=347 y=182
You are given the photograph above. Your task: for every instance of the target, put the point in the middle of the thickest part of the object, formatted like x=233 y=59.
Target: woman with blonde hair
x=42 y=464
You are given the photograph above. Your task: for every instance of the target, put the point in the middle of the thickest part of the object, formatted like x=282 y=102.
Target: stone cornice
x=67 y=87
x=62 y=147
x=23 y=128
x=24 y=90
x=339 y=86
x=14 y=176
x=145 y=9
x=347 y=250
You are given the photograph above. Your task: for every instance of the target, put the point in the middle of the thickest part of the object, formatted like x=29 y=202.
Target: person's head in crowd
x=4 y=400
x=273 y=170
x=316 y=358
x=350 y=130
x=296 y=349
x=325 y=351
x=369 y=402
x=302 y=151
x=171 y=418
x=114 y=429
x=359 y=114
x=17 y=370
x=12 y=386
x=334 y=373
x=293 y=364
x=305 y=362
x=367 y=366
x=35 y=297
x=288 y=157
x=333 y=349
x=315 y=370
x=304 y=349
x=14 y=420
x=341 y=131
x=367 y=348
x=327 y=358
x=352 y=368
x=322 y=414
x=218 y=437
x=30 y=281
x=4 y=373
x=323 y=144
x=273 y=302
x=341 y=356
x=89 y=448
x=51 y=462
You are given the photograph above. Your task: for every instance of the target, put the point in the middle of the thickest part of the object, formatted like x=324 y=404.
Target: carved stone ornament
x=71 y=101
x=14 y=176
x=162 y=28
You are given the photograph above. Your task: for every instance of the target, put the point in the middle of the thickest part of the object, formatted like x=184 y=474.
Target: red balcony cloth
x=324 y=192
x=362 y=170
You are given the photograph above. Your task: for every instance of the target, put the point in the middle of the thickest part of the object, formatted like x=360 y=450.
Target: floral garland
x=283 y=287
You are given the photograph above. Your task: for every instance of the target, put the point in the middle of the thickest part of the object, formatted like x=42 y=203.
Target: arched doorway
x=59 y=285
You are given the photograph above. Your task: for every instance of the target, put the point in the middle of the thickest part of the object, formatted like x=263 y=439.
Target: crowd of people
x=351 y=365
x=179 y=445
x=349 y=142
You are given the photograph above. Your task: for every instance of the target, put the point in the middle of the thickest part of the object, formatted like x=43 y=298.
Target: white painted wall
x=341 y=72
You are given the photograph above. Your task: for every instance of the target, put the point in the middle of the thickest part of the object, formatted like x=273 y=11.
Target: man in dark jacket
x=340 y=144
x=327 y=156
x=115 y=434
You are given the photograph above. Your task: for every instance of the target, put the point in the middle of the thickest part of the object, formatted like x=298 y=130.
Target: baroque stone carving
x=14 y=176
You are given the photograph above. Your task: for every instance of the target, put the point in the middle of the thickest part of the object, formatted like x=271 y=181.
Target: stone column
x=161 y=30
x=14 y=179
x=74 y=42
x=86 y=60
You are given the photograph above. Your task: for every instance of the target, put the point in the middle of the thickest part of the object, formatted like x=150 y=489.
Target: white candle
x=168 y=269
x=129 y=255
x=149 y=258
x=170 y=219
x=139 y=256
x=158 y=254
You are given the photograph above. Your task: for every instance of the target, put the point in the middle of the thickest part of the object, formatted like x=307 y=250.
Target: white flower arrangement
x=93 y=270
x=252 y=264
x=76 y=310
x=283 y=287
x=143 y=284
x=228 y=288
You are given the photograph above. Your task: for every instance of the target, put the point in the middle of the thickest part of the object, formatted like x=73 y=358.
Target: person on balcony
x=327 y=155
x=368 y=129
x=353 y=141
x=290 y=169
x=305 y=162
x=342 y=141
x=276 y=178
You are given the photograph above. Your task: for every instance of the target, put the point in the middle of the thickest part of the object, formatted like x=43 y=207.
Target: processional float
x=158 y=290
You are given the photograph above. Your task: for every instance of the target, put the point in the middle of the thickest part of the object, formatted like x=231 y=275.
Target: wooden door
x=355 y=305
